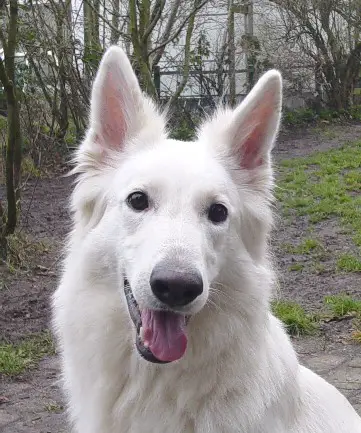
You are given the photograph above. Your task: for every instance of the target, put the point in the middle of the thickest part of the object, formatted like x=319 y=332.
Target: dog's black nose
x=175 y=287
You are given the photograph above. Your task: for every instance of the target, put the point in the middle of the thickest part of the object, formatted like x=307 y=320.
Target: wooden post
x=231 y=55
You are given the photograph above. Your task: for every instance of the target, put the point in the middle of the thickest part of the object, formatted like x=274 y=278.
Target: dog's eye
x=138 y=201
x=217 y=213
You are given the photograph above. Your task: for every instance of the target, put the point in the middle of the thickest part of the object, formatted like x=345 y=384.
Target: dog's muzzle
x=135 y=315
x=161 y=335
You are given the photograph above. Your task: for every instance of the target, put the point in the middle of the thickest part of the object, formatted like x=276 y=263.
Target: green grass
x=53 y=407
x=23 y=251
x=299 y=323
x=296 y=267
x=296 y=320
x=342 y=305
x=307 y=246
x=28 y=168
x=348 y=263
x=356 y=335
x=324 y=185
x=318 y=268
x=17 y=358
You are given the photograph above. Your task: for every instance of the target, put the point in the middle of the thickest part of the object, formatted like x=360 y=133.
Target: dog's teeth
x=141 y=336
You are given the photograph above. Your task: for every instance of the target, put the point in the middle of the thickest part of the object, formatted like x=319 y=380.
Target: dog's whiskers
x=222 y=293
x=214 y=305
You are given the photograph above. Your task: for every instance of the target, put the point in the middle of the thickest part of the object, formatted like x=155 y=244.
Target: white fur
x=240 y=372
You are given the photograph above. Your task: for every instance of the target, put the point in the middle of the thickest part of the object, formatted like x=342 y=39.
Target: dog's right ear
x=116 y=101
x=119 y=112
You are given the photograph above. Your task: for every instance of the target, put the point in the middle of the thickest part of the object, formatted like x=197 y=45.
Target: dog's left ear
x=250 y=130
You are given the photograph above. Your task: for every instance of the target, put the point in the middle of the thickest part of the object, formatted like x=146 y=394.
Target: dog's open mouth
x=161 y=335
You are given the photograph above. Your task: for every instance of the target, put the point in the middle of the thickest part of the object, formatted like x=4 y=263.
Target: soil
x=33 y=403
x=24 y=298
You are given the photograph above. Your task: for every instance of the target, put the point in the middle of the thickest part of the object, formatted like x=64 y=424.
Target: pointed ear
x=250 y=130
x=116 y=101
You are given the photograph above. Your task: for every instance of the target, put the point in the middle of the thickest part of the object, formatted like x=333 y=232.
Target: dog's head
x=175 y=213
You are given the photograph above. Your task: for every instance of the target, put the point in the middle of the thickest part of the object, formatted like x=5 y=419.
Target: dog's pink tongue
x=164 y=334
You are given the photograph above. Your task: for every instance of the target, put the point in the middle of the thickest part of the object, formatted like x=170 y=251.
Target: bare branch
x=164 y=43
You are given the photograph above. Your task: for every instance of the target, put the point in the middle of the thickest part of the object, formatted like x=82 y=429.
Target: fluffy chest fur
x=228 y=384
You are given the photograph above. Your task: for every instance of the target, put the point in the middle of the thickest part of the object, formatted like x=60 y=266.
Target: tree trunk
x=340 y=79
x=114 y=35
x=140 y=46
x=63 y=36
x=12 y=177
x=187 y=56
x=63 y=104
x=14 y=140
x=87 y=17
x=3 y=240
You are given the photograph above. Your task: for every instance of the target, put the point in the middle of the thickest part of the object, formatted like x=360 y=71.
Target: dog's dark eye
x=217 y=213
x=138 y=201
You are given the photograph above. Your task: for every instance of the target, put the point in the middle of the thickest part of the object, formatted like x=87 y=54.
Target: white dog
x=162 y=313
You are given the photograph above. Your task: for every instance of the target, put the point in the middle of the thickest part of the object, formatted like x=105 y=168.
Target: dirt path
x=24 y=296
x=303 y=141
x=32 y=402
